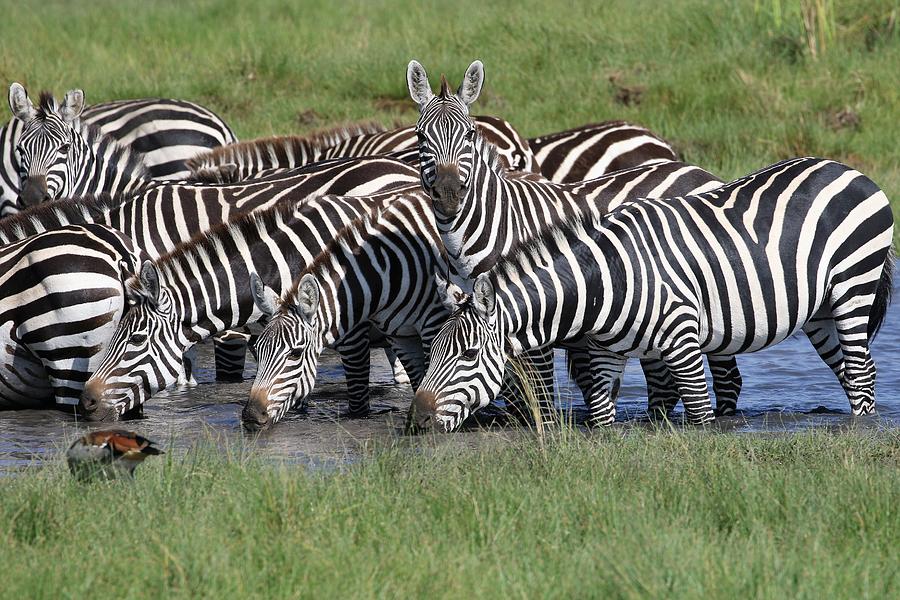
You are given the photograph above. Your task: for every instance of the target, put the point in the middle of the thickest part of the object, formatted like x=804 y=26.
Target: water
x=785 y=388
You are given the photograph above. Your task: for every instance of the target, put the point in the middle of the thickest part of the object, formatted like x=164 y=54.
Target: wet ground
x=786 y=388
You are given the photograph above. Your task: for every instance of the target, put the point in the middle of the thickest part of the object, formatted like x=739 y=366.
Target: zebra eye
x=470 y=354
x=296 y=353
x=138 y=338
x=64 y=148
x=470 y=135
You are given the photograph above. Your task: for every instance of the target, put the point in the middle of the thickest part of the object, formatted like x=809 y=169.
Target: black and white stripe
x=202 y=289
x=61 y=295
x=379 y=270
x=596 y=149
x=108 y=147
x=481 y=212
x=265 y=156
x=804 y=244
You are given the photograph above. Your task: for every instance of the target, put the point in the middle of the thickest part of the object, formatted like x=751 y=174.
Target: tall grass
x=622 y=515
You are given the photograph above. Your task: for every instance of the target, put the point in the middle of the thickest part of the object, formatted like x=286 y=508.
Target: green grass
x=688 y=515
x=734 y=83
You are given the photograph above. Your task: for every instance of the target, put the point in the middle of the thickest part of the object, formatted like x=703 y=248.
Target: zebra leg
x=859 y=369
x=401 y=377
x=823 y=336
x=685 y=362
x=188 y=362
x=354 y=350
x=231 y=352
x=727 y=383
x=662 y=394
x=606 y=370
x=410 y=355
x=532 y=386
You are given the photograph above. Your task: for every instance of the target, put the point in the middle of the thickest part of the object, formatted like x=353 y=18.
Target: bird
x=109 y=454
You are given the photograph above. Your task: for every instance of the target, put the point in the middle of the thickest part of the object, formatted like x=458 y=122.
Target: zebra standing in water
x=164 y=133
x=60 y=300
x=201 y=289
x=177 y=210
x=481 y=213
x=802 y=244
x=379 y=269
x=593 y=150
x=250 y=159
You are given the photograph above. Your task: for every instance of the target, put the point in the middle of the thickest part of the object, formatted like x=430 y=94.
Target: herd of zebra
x=134 y=230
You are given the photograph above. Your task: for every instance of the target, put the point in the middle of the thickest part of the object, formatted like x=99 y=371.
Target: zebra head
x=287 y=351
x=466 y=367
x=446 y=134
x=49 y=144
x=144 y=354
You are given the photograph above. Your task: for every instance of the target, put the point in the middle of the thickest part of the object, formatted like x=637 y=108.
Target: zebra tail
x=883 y=294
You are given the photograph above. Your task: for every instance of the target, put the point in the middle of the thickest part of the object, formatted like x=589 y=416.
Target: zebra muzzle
x=422 y=412
x=34 y=191
x=255 y=416
x=92 y=405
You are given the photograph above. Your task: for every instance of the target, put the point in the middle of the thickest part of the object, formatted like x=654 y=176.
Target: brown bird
x=109 y=454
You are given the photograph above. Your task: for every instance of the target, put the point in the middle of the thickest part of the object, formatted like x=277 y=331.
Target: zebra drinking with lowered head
x=481 y=213
x=804 y=244
x=147 y=138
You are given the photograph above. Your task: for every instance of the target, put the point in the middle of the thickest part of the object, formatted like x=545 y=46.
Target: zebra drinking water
x=160 y=135
x=481 y=213
x=379 y=269
x=804 y=244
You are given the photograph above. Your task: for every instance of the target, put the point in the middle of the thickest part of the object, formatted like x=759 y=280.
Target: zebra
x=163 y=133
x=159 y=218
x=261 y=157
x=595 y=149
x=61 y=294
x=201 y=289
x=804 y=244
x=481 y=213
x=379 y=269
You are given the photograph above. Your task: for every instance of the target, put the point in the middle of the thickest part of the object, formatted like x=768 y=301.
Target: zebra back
x=595 y=149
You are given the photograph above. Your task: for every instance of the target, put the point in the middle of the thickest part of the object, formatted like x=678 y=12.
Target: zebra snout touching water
x=379 y=270
x=804 y=244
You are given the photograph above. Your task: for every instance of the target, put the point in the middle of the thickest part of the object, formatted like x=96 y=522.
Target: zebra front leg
x=532 y=386
x=401 y=377
x=662 y=393
x=410 y=355
x=231 y=353
x=727 y=383
x=685 y=362
x=354 y=350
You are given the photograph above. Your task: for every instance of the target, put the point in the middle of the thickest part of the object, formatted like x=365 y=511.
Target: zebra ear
x=20 y=104
x=471 y=86
x=149 y=279
x=417 y=80
x=72 y=105
x=451 y=295
x=264 y=297
x=308 y=297
x=484 y=297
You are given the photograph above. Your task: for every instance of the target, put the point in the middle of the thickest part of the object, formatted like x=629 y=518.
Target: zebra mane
x=47 y=105
x=247 y=226
x=348 y=239
x=275 y=147
x=50 y=215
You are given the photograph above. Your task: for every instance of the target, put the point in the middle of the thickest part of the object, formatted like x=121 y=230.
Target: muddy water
x=785 y=388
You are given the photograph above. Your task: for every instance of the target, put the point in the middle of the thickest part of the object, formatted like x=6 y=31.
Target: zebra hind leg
x=686 y=365
x=401 y=377
x=727 y=383
x=606 y=370
x=859 y=369
x=662 y=393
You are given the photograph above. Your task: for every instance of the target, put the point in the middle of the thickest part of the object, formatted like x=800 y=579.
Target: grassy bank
x=735 y=85
x=650 y=515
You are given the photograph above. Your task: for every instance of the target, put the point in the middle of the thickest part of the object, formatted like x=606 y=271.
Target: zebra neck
x=110 y=167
